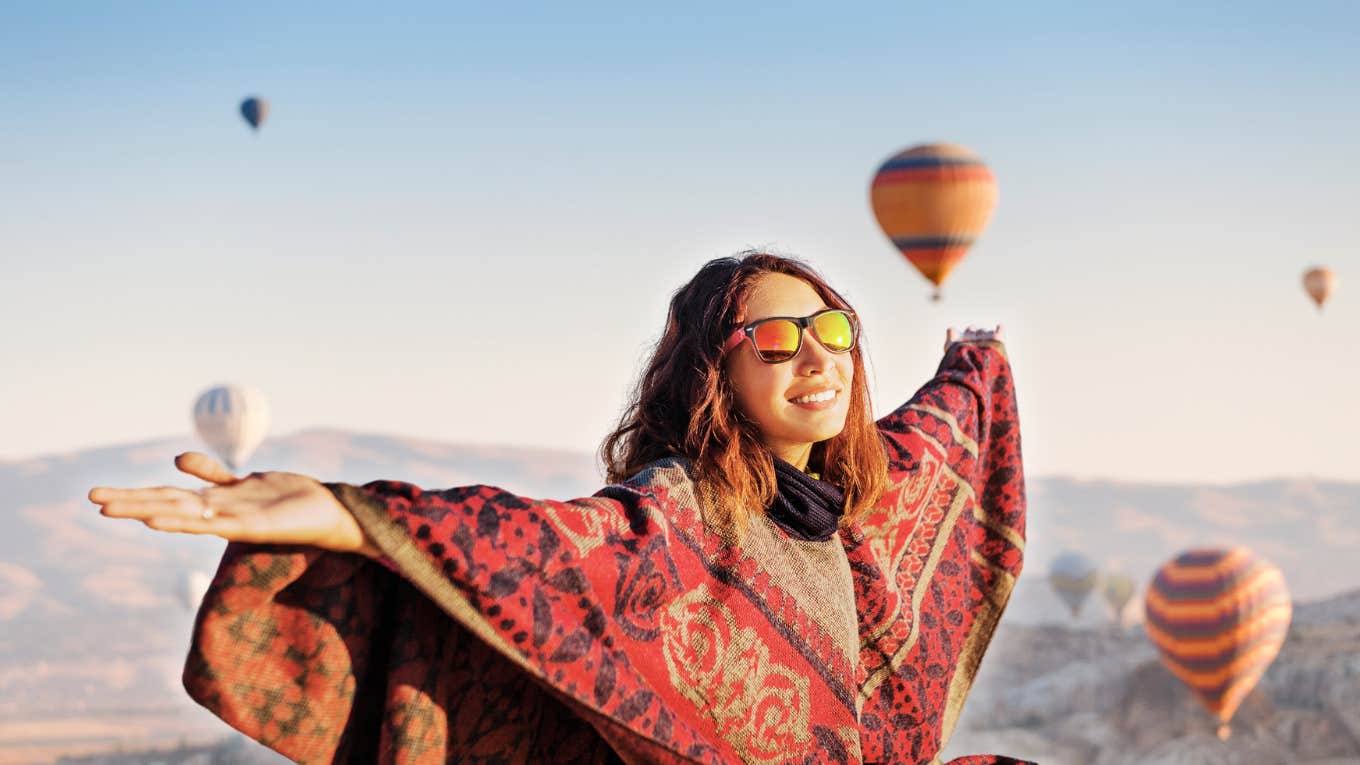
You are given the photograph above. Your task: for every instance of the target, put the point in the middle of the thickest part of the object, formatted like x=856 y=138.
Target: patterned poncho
x=503 y=629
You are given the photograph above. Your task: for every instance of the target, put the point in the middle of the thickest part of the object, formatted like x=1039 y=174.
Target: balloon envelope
x=192 y=587
x=232 y=420
x=1072 y=577
x=933 y=201
x=1319 y=283
x=1117 y=590
x=1218 y=618
x=254 y=110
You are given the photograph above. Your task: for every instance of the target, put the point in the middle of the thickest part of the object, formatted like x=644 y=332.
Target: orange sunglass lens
x=776 y=340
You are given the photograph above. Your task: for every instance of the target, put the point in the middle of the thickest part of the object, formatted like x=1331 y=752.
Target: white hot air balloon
x=232 y=421
x=191 y=589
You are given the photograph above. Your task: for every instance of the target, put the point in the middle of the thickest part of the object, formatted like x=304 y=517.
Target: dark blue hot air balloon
x=254 y=110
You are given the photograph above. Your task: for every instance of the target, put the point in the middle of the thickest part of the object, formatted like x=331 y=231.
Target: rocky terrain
x=233 y=750
x=1070 y=696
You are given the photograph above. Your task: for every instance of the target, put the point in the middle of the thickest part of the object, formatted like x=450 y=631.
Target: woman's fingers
x=952 y=335
x=277 y=507
x=180 y=511
x=144 y=504
x=226 y=527
x=200 y=465
x=138 y=503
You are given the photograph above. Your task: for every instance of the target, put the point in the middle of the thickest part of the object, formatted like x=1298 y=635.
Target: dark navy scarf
x=805 y=508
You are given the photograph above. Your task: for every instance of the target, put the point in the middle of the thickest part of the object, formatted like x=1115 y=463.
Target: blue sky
x=1166 y=174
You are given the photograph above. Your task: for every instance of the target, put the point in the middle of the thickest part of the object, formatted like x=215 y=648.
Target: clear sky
x=553 y=172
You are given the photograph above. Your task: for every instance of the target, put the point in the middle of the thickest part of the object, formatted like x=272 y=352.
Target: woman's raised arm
x=968 y=410
x=940 y=552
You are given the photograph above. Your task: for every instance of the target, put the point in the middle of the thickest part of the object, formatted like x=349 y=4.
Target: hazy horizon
x=258 y=464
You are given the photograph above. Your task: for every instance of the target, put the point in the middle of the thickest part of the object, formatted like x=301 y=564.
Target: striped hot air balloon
x=232 y=421
x=933 y=202
x=1072 y=577
x=1218 y=617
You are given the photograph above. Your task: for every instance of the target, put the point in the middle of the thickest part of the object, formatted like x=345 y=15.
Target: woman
x=770 y=576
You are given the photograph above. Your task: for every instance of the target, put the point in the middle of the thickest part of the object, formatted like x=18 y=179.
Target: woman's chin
x=816 y=435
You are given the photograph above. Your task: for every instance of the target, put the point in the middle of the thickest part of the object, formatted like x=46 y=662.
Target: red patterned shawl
x=514 y=630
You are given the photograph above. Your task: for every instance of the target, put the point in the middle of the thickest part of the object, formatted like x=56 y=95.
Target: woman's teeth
x=825 y=395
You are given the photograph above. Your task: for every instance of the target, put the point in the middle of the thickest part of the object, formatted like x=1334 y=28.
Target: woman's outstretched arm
x=315 y=654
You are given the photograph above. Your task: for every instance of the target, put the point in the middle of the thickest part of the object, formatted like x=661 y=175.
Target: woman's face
x=770 y=393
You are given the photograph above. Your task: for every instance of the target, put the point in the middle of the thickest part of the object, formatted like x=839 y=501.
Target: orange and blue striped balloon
x=1218 y=617
x=933 y=202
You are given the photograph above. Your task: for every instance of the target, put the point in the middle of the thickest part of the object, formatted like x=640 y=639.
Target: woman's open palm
x=274 y=507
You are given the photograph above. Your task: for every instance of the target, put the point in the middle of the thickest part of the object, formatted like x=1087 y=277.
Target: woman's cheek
x=759 y=404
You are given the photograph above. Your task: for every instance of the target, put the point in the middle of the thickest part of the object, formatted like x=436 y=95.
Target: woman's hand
x=952 y=335
x=282 y=508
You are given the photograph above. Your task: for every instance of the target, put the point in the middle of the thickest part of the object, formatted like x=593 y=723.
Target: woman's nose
x=813 y=357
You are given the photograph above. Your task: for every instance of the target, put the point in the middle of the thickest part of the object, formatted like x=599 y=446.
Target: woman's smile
x=817 y=401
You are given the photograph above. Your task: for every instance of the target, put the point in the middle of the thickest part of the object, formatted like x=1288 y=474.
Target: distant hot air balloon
x=232 y=421
x=1320 y=284
x=254 y=110
x=1072 y=577
x=191 y=589
x=1218 y=617
x=1117 y=590
x=933 y=202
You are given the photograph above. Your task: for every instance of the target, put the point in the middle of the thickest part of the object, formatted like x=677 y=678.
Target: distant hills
x=94 y=612
x=94 y=616
x=1308 y=528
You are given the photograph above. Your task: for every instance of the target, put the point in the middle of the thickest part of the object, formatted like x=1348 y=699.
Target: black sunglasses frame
x=804 y=323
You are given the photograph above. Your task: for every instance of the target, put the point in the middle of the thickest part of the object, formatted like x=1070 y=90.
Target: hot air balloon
x=1320 y=283
x=1072 y=577
x=254 y=110
x=191 y=588
x=1117 y=590
x=1218 y=617
x=933 y=202
x=232 y=421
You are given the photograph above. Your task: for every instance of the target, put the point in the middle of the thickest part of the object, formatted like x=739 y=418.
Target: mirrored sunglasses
x=780 y=338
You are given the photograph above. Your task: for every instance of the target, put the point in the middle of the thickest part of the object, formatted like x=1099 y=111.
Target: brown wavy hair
x=683 y=405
